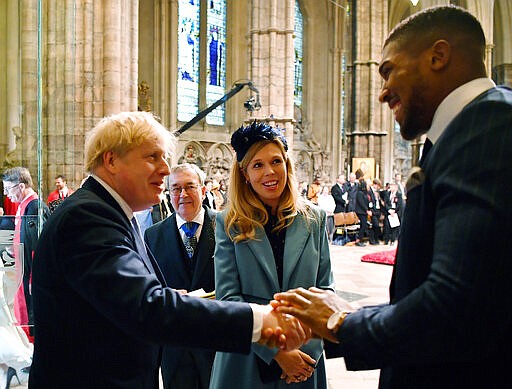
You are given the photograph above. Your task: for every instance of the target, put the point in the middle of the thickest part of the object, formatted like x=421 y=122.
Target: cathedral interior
x=308 y=67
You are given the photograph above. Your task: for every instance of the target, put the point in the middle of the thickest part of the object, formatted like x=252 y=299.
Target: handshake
x=295 y=316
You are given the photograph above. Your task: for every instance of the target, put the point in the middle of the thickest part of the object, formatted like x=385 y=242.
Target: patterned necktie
x=190 y=241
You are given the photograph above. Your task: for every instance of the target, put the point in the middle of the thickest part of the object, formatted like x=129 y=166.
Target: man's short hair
x=452 y=23
x=192 y=167
x=122 y=133
x=18 y=175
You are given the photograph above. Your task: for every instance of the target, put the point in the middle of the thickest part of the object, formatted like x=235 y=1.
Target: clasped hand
x=312 y=307
x=283 y=331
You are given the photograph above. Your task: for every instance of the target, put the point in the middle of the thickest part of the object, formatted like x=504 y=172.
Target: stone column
x=370 y=121
x=272 y=66
x=27 y=143
x=484 y=12
x=89 y=70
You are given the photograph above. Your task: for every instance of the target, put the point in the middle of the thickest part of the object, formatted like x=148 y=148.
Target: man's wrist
x=258 y=312
x=336 y=320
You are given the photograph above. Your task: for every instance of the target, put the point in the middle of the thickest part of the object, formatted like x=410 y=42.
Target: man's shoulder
x=53 y=196
x=162 y=225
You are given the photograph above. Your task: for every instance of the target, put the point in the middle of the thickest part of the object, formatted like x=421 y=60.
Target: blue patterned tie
x=190 y=241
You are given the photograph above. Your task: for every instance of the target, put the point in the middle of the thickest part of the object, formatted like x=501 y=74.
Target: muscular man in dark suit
x=101 y=303
x=185 y=368
x=339 y=193
x=449 y=323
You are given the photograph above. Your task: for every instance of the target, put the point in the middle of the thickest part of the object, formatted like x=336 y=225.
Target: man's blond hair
x=123 y=132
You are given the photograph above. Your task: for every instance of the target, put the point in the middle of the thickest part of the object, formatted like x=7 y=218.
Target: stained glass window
x=188 y=59
x=191 y=66
x=216 y=61
x=297 y=43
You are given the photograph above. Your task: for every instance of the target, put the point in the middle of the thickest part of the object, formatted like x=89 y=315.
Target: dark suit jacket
x=337 y=194
x=373 y=206
x=206 y=200
x=29 y=234
x=180 y=272
x=449 y=324
x=102 y=308
x=397 y=203
x=352 y=194
x=362 y=203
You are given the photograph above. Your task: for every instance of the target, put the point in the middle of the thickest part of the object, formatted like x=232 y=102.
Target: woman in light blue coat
x=268 y=239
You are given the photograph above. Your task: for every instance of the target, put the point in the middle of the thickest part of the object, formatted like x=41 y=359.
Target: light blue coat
x=246 y=271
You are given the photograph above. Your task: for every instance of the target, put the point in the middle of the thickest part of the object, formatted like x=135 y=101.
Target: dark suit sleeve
x=98 y=258
x=460 y=311
x=337 y=194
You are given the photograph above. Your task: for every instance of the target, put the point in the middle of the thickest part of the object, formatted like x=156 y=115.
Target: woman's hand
x=297 y=366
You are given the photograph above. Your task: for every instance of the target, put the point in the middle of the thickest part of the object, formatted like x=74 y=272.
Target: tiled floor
x=363 y=284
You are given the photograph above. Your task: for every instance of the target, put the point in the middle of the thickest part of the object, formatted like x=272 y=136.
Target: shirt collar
x=454 y=103
x=123 y=204
x=199 y=218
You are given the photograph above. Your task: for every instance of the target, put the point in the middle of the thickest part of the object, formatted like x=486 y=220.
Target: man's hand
x=283 y=331
x=312 y=307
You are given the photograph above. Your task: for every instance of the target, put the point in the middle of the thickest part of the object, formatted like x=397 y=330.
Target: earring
x=247 y=182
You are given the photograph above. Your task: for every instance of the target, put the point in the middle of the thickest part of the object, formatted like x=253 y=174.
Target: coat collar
x=297 y=235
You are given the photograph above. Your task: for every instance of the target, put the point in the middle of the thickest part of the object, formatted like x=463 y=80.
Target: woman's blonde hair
x=246 y=212
x=123 y=132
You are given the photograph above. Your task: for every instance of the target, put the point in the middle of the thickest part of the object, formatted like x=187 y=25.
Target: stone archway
x=194 y=152
x=219 y=160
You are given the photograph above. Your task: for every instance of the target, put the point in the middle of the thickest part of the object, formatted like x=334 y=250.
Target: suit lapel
x=94 y=186
x=297 y=235
x=262 y=252
x=205 y=247
x=156 y=268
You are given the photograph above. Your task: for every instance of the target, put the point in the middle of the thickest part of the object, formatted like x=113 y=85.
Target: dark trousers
x=363 y=225
x=191 y=373
x=390 y=234
x=375 y=231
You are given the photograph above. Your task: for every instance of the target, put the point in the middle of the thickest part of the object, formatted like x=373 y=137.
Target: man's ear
x=109 y=160
x=203 y=191
x=440 y=54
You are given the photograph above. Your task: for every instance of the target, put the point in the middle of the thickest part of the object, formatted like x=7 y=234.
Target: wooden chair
x=346 y=224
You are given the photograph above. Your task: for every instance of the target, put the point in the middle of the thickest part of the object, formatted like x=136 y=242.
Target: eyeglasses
x=7 y=189
x=191 y=188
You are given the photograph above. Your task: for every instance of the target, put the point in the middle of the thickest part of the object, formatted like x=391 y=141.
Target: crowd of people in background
x=378 y=208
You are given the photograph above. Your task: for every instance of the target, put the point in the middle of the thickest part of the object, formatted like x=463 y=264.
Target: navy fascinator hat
x=243 y=138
